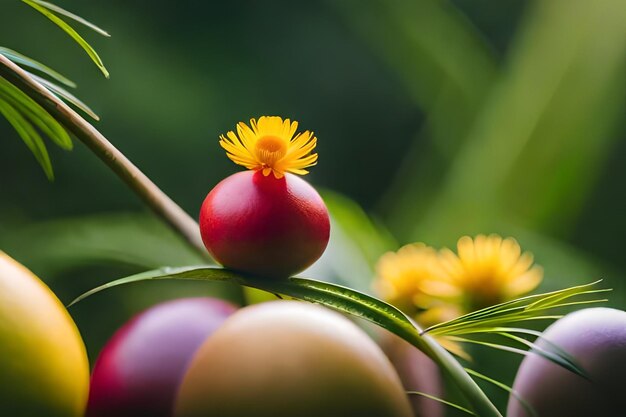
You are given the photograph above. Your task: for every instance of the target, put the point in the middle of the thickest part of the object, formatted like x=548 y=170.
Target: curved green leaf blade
x=36 y=114
x=36 y=65
x=546 y=354
x=29 y=135
x=529 y=307
x=70 y=15
x=72 y=33
x=66 y=95
x=442 y=401
x=529 y=408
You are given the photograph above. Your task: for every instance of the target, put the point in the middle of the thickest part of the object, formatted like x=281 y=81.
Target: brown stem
x=157 y=200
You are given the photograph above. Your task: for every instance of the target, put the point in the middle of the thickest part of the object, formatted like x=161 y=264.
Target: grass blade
x=552 y=357
x=72 y=33
x=36 y=65
x=37 y=114
x=70 y=15
x=442 y=401
x=519 y=309
x=529 y=408
x=566 y=361
x=29 y=135
x=66 y=95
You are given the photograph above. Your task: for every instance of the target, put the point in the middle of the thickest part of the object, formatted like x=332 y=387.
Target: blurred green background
x=435 y=119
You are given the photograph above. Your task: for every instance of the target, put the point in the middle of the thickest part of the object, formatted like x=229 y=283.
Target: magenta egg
x=264 y=225
x=596 y=338
x=140 y=368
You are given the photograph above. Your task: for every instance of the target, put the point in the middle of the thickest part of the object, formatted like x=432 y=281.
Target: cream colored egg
x=289 y=358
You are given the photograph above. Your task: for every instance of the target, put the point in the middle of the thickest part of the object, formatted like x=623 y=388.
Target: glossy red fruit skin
x=139 y=369
x=596 y=338
x=263 y=225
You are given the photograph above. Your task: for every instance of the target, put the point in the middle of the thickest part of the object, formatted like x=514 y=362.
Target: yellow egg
x=44 y=370
x=288 y=359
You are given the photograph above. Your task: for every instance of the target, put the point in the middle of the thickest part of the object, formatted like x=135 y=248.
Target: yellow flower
x=269 y=145
x=401 y=275
x=433 y=287
x=487 y=270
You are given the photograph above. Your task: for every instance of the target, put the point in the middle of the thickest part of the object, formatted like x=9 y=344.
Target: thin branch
x=157 y=200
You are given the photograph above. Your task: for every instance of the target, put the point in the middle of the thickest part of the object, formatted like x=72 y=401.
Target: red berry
x=263 y=225
x=139 y=370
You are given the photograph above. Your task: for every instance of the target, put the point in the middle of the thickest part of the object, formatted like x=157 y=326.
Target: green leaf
x=550 y=356
x=36 y=114
x=500 y=330
x=442 y=401
x=493 y=321
x=63 y=12
x=65 y=95
x=36 y=65
x=529 y=408
x=521 y=309
x=29 y=135
x=336 y=297
x=71 y=32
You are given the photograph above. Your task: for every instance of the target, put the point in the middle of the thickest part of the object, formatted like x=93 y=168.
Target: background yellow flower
x=435 y=286
x=487 y=270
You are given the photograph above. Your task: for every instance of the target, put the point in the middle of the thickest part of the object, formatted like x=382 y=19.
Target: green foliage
x=529 y=408
x=51 y=12
x=442 y=401
x=496 y=320
x=27 y=117
x=25 y=61
x=65 y=95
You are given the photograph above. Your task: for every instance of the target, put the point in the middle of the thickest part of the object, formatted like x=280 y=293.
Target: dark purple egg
x=596 y=338
x=141 y=366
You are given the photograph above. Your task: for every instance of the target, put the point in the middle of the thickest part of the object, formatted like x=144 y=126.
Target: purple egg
x=141 y=366
x=596 y=338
